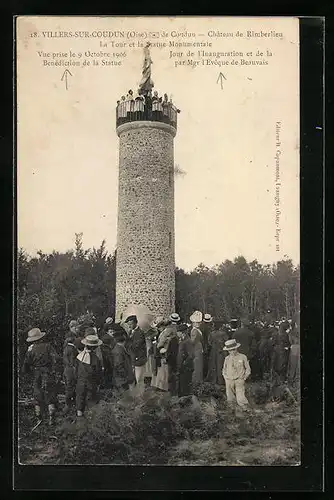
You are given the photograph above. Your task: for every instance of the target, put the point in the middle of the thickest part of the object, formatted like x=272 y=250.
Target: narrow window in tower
x=170 y=177
x=170 y=239
x=171 y=300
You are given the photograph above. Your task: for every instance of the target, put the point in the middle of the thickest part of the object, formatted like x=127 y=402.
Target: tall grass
x=157 y=429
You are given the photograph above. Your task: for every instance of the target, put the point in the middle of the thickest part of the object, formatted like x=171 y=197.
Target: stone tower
x=145 y=261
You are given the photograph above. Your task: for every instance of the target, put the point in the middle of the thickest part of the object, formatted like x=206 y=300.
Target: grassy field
x=156 y=429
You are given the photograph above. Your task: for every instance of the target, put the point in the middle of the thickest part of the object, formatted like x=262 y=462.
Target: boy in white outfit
x=235 y=371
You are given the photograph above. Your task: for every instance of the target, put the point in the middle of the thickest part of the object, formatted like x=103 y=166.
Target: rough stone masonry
x=145 y=262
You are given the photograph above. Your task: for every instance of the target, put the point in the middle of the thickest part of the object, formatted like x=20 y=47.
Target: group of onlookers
x=166 y=355
x=133 y=107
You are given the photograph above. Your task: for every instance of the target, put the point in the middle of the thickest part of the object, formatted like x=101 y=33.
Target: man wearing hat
x=236 y=370
x=41 y=359
x=196 y=338
x=108 y=325
x=234 y=325
x=167 y=346
x=206 y=329
x=89 y=374
x=70 y=353
x=137 y=348
x=122 y=371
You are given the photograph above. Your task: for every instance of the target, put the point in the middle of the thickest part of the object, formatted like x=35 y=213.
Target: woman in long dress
x=196 y=338
x=161 y=380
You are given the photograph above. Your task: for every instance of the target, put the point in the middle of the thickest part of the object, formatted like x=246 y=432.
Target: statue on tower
x=146 y=83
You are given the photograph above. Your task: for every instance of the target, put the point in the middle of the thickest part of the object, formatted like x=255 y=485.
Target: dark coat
x=70 y=362
x=185 y=356
x=137 y=347
x=280 y=353
x=40 y=355
x=217 y=355
x=171 y=358
x=107 y=357
x=246 y=338
x=41 y=360
x=206 y=329
x=89 y=375
x=69 y=358
x=89 y=378
x=185 y=367
x=122 y=367
x=265 y=348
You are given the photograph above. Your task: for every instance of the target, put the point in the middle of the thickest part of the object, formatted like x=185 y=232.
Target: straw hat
x=91 y=340
x=109 y=320
x=231 y=344
x=35 y=334
x=174 y=317
x=196 y=317
x=207 y=318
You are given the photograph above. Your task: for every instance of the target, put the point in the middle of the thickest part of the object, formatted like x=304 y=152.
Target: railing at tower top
x=140 y=110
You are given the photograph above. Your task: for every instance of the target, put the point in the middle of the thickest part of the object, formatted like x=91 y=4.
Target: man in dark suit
x=122 y=370
x=246 y=338
x=138 y=351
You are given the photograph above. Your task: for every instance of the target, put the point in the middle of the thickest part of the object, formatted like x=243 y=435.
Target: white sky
x=224 y=205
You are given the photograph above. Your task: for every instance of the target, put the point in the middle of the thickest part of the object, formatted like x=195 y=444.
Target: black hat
x=107 y=339
x=119 y=334
x=130 y=318
x=89 y=331
x=182 y=328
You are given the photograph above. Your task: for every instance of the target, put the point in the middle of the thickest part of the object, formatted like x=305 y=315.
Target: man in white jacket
x=235 y=371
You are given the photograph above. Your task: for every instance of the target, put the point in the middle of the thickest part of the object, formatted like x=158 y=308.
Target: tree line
x=56 y=287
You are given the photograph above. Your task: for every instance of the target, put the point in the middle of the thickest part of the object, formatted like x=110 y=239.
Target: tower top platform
x=146 y=105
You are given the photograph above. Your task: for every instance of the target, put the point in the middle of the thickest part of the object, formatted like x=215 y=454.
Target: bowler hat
x=231 y=344
x=131 y=318
x=91 y=340
x=35 y=334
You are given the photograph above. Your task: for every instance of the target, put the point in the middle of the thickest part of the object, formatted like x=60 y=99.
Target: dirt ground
x=266 y=435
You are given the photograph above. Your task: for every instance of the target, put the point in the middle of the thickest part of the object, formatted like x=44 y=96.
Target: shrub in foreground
x=137 y=430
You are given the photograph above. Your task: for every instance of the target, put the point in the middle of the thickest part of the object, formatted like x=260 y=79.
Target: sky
x=67 y=146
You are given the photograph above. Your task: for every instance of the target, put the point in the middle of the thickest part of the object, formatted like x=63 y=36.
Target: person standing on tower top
x=129 y=106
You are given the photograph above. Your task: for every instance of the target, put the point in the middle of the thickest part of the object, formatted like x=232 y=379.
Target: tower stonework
x=146 y=125
x=145 y=262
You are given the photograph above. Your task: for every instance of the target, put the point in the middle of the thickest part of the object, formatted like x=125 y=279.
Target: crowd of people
x=166 y=355
x=133 y=107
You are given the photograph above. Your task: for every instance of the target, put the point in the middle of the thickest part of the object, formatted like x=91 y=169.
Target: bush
x=137 y=430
